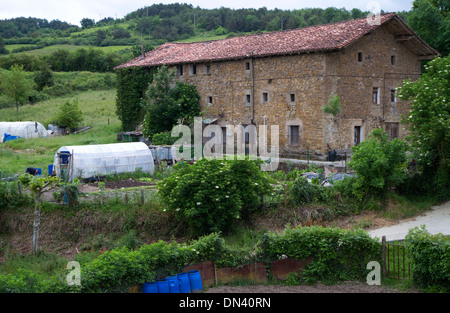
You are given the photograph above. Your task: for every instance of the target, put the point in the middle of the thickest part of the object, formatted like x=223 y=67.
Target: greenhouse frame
x=22 y=130
x=91 y=161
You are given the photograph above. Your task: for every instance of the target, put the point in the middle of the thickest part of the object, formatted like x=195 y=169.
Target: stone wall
x=290 y=91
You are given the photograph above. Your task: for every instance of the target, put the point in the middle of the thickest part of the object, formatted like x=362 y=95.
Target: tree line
x=62 y=60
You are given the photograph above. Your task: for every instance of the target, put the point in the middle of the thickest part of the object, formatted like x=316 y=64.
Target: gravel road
x=437 y=220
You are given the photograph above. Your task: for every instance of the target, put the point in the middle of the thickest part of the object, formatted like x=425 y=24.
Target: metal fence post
x=383 y=244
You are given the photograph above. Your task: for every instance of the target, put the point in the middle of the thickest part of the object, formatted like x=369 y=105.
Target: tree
x=43 y=77
x=16 y=85
x=3 y=50
x=166 y=105
x=429 y=123
x=38 y=185
x=431 y=22
x=69 y=115
x=87 y=22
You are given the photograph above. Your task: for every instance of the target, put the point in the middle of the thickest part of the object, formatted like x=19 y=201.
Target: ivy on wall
x=131 y=86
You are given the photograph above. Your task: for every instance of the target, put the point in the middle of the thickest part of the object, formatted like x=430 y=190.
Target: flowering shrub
x=211 y=194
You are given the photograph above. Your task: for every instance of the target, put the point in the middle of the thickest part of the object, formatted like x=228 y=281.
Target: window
x=393 y=95
x=392 y=59
x=294 y=135
x=265 y=97
x=224 y=136
x=376 y=95
x=194 y=69
x=248 y=99
x=247 y=66
x=292 y=97
x=357 y=135
x=180 y=70
x=392 y=130
x=360 y=57
x=207 y=69
x=210 y=100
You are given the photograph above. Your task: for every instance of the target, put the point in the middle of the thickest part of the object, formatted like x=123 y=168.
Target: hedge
x=430 y=258
x=336 y=254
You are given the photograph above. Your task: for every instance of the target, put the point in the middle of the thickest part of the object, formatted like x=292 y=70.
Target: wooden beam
x=404 y=37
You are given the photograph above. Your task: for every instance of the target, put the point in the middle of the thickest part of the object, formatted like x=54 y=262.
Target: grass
x=43 y=263
x=99 y=113
x=408 y=206
x=50 y=49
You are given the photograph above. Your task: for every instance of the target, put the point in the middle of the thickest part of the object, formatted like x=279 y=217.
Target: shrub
x=301 y=192
x=69 y=115
x=379 y=163
x=210 y=195
x=25 y=281
x=430 y=255
x=163 y=138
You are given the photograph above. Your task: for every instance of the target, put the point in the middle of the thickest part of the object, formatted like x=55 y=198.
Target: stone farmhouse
x=285 y=78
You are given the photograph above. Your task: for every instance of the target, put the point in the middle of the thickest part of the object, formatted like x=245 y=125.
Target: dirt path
x=345 y=287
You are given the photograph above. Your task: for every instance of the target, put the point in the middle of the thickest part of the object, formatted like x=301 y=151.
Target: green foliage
x=43 y=77
x=70 y=192
x=211 y=195
x=131 y=86
x=38 y=184
x=302 y=192
x=430 y=255
x=69 y=115
x=164 y=138
x=166 y=105
x=334 y=106
x=10 y=197
x=16 y=85
x=337 y=254
x=429 y=124
x=378 y=162
x=432 y=23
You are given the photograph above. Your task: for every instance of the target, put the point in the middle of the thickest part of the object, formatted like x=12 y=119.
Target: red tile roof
x=311 y=39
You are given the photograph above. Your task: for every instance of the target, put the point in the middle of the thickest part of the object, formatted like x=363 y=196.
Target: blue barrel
x=185 y=285
x=163 y=286
x=174 y=286
x=195 y=281
x=39 y=171
x=50 y=170
x=150 y=288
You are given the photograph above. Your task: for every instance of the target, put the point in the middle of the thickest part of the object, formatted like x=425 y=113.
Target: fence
x=396 y=259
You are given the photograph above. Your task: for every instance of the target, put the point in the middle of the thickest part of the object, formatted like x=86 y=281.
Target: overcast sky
x=73 y=11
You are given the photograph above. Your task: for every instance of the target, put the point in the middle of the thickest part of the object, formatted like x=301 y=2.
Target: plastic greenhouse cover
x=22 y=129
x=99 y=160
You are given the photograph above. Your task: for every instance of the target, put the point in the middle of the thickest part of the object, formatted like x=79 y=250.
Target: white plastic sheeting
x=99 y=160
x=22 y=129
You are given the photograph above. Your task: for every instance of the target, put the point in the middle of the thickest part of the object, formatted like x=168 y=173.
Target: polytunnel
x=99 y=160
x=22 y=130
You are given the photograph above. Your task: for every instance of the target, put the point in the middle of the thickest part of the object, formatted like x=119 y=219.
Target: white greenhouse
x=22 y=130
x=99 y=160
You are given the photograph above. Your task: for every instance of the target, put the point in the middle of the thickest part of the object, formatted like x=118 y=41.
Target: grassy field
x=99 y=113
x=53 y=48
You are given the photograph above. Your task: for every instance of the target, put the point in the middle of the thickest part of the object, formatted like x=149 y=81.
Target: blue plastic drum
x=150 y=288
x=174 y=286
x=185 y=285
x=163 y=286
x=195 y=281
